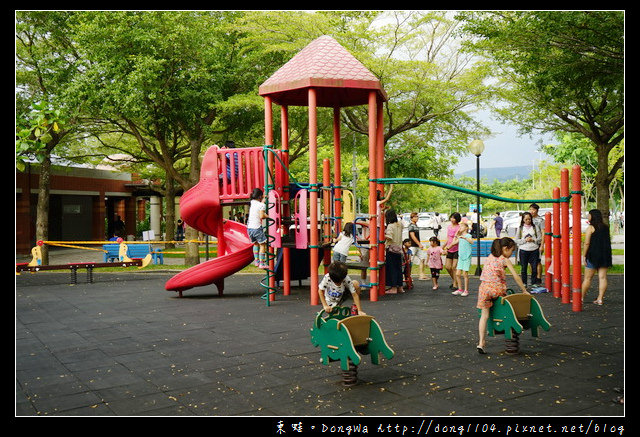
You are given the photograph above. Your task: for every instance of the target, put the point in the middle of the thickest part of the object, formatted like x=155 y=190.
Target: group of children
x=458 y=245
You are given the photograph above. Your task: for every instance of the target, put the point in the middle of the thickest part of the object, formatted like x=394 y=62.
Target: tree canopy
x=161 y=86
x=559 y=72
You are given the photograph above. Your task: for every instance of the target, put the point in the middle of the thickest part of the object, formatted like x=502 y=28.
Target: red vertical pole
x=382 y=274
x=313 y=195
x=548 y=250
x=557 y=274
x=373 y=236
x=326 y=206
x=286 y=253
x=576 y=189
x=565 y=226
x=337 y=170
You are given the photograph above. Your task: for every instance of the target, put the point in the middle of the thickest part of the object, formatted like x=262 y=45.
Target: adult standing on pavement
x=436 y=224
x=414 y=237
x=528 y=239
x=538 y=221
x=597 y=254
x=451 y=261
x=497 y=224
x=393 y=243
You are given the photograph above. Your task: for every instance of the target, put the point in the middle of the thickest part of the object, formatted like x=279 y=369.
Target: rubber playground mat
x=124 y=346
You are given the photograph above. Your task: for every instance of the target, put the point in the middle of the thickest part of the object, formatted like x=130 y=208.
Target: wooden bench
x=73 y=267
x=122 y=259
x=112 y=252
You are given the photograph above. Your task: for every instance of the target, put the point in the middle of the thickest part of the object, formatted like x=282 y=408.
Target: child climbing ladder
x=254 y=227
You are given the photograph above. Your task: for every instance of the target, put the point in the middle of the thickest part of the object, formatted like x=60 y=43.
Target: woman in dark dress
x=597 y=254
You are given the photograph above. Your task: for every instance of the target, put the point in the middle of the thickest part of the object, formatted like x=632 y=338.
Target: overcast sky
x=505 y=148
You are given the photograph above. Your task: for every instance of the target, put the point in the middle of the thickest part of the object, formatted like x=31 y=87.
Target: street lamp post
x=477 y=147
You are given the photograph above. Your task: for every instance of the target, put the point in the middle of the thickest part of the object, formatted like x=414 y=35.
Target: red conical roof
x=340 y=79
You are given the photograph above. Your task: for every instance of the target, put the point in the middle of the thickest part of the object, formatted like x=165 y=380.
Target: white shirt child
x=333 y=293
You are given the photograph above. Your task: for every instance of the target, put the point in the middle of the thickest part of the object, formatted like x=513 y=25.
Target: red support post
x=337 y=170
x=286 y=252
x=564 y=232
x=576 y=192
x=557 y=273
x=313 y=195
x=326 y=206
x=548 y=251
x=373 y=219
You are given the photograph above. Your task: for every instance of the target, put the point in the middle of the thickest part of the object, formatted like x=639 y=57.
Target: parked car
x=423 y=220
x=424 y=224
x=510 y=214
x=511 y=225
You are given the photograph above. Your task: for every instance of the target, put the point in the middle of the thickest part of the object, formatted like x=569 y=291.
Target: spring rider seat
x=513 y=313
x=344 y=337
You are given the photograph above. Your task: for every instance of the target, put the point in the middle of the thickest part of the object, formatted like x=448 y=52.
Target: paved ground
x=123 y=346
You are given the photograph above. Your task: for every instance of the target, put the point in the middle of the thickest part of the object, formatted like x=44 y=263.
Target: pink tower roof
x=340 y=79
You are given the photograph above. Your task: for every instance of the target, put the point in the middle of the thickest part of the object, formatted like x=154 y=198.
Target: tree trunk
x=170 y=212
x=191 y=255
x=602 y=181
x=42 y=210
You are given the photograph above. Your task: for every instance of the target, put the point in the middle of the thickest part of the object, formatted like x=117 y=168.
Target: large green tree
x=46 y=63
x=559 y=71
x=174 y=81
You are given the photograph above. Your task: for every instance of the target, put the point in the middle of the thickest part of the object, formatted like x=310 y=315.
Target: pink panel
x=300 y=219
x=274 y=215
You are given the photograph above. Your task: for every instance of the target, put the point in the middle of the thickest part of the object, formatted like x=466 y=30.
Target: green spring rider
x=344 y=337
x=513 y=313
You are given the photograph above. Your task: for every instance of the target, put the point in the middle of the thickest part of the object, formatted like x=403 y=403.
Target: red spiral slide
x=200 y=208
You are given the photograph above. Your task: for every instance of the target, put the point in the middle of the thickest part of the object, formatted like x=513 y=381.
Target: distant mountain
x=500 y=173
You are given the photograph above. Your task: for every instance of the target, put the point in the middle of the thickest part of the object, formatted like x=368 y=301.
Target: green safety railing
x=466 y=190
x=265 y=283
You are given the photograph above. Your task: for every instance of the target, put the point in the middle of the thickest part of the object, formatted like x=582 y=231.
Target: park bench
x=73 y=267
x=133 y=251
x=36 y=263
x=485 y=248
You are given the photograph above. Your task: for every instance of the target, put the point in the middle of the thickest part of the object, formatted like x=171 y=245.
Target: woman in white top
x=393 y=243
x=528 y=239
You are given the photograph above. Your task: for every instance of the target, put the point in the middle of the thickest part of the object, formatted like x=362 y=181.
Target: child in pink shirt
x=434 y=260
x=493 y=282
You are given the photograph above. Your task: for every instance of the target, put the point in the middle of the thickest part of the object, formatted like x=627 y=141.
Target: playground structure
x=323 y=74
x=304 y=217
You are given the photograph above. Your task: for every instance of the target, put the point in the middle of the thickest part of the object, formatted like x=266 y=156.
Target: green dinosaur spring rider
x=344 y=337
x=513 y=313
